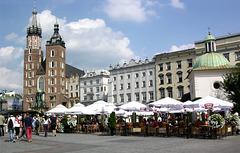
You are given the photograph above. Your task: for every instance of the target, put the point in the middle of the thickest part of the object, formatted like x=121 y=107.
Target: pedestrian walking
x=23 y=127
x=11 y=127
x=46 y=122
x=2 y=121
x=37 y=125
x=28 y=124
x=17 y=126
x=53 y=124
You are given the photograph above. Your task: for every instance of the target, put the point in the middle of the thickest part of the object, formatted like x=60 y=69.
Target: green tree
x=112 y=122
x=231 y=85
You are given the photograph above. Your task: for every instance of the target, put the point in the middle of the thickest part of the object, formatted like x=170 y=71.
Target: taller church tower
x=33 y=58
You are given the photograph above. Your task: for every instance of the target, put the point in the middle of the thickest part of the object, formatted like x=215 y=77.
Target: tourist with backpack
x=37 y=125
x=11 y=127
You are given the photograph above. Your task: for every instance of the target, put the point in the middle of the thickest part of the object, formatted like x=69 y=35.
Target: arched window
x=52 y=53
x=41 y=83
x=170 y=92
x=169 y=78
x=179 y=74
x=162 y=92
x=180 y=91
x=161 y=78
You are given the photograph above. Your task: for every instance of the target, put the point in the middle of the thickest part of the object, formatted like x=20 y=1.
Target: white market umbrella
x=102 y=107
x=76 y=109
x=133 y=106
x=212 y=102
x=167 y=102
x=59 y=109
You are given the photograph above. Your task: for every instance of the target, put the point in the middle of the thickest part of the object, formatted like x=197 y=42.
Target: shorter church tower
x=55 y=69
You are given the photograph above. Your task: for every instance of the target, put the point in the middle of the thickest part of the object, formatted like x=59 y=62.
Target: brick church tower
x=44 y=75
x=33 y=59
x=55 y=69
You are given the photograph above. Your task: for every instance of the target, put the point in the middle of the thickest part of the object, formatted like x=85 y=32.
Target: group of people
x=27 y=125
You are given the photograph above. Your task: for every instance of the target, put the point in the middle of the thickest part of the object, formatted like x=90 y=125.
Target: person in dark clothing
x=53 y=124
x=28 y=124
x=23 y=127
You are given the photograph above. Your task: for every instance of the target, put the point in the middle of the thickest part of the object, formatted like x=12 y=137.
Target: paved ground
x=89 y=143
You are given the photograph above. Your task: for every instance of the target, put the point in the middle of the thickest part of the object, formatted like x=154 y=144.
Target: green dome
x=211 y=61
x=209 y=37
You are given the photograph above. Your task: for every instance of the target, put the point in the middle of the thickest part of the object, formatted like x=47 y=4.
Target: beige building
x=172 y=68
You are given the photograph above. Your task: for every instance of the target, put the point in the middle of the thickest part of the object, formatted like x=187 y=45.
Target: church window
x=216 y=85
x=52 y=53
x=52 y=64
x=41 y=83
x=29 y=58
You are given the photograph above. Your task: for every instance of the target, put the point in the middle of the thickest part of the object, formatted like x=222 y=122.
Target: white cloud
x=10 y=79
x=126 y=10
x=89 y=43
x=177 y=4
x=10 y=53
x=15 y=38
x=182 y=47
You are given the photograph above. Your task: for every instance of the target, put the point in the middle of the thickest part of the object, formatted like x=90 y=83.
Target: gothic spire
x=33 y=28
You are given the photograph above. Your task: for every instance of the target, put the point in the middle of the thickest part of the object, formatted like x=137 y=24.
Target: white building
x=207 y=72
x=134 y=81
x=94 y=86
x=74 y=90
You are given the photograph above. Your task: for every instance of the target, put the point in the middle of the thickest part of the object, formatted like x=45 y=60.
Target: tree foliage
x=112 y=121
x=231 y=85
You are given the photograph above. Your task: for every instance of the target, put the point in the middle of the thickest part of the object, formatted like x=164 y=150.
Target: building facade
x=172 y=68
x=207 y=72
x=74 y=90
x=48 y=75
x=134 y=81
x=94 y=86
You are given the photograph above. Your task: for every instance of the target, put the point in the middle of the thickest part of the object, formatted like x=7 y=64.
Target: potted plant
x=112 y=123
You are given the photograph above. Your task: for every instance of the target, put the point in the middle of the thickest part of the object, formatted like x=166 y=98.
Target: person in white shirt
x=17 y=126
x=11 y=127
x=46 y=122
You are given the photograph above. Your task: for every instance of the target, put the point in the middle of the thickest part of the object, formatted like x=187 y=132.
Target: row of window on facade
x=237 y=56
x=136 y=75
x=53 y=64
x=91 y=97
x=76 y=87
x=86 y=90
x=91 y=82
x=136 y=85
x=35 y=40
x=169 y=78
x=53 y=54
x=54 y=73
x=170 y=92
x=137 y=97
x=50 y=90
x=76 y=95
x=30 y=58
x=179 y=65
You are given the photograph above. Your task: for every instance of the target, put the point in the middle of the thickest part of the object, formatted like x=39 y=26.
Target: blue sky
x=98 y=33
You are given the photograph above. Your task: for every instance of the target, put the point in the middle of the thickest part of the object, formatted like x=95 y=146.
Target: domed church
x=207 y=72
